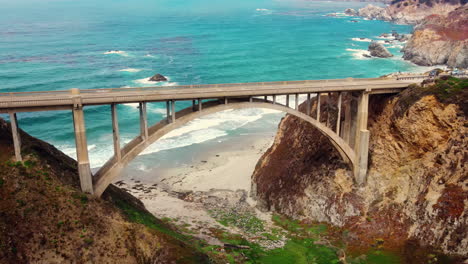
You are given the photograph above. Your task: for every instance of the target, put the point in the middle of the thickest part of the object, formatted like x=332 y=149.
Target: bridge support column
x=362 y=139
x=116 y=132
x=173 y=110
x=308 y=105
x=338 y=116
x=346 y=133
x=296 y=103
x=143 y=121
x=287 y=100
x=84 y=168
x=168 y=111
x=318 y=107
x=16 y=136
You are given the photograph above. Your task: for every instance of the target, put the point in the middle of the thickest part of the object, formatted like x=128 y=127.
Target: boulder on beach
x=158 y=78
x=378 y=50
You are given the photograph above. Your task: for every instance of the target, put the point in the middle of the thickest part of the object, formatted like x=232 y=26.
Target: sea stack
x=378 y=50
x=158 y=78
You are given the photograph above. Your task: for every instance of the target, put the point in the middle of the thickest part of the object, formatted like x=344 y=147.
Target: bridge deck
x=55 y=100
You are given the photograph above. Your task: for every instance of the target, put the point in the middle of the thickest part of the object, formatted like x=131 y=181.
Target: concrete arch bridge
x=346 y=99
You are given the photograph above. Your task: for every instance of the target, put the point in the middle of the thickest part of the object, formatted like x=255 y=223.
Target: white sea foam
x=207 y=128
x=119 y=52
x=389 y=37
x=358 y=54
x=130 y=70
x=362 y=39
x=395 y=46
x=144 y=81
x=132 y=105
x=262 y=9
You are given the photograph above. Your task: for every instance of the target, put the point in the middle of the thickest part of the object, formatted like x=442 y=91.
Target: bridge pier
x=16 y=136
x=346 y=132
x=168 y=111
x=82 y=156
x=116 y=132
x=318 y=107
x=362 y=139
x=338 y=118
x=143 y=121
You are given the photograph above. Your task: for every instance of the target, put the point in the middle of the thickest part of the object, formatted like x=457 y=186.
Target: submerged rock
x=158 y=78
x=378 y=50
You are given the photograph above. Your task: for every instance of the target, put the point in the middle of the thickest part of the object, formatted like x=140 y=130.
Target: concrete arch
x=107 y=173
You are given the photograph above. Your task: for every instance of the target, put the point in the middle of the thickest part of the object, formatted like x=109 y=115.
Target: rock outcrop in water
x=440 y=40
x=416 y=194
x=378 y=50
x=351 y=12
x=441 y=31
x=158 y=78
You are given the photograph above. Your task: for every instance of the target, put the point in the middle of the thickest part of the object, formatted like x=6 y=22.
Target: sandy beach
x=220 y=176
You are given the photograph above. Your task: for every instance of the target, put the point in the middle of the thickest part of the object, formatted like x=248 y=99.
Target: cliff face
x=409 y=11
x=413 y=12
x=45 y=218
x=416 y=188
x=440 y=39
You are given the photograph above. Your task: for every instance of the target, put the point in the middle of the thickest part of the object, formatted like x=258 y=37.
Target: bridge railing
x=157 y=88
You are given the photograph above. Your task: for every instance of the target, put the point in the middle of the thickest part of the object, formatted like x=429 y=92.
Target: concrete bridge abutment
x=82 y=156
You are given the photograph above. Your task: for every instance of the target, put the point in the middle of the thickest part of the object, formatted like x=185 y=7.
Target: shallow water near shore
x=118 y=44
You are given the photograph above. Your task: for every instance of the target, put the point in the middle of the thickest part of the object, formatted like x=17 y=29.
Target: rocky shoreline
x=440 y=34
x=213 y=190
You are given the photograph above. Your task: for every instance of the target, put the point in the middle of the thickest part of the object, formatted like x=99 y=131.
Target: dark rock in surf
x=158 y=78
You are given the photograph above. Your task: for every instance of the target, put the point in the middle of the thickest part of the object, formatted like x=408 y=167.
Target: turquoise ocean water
x=58 y=44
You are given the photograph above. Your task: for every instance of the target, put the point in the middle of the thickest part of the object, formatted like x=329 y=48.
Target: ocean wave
x=362 y=39
x=118 y=52
x=396 y=46
x=130 y=70
x=262 y=9
x=208 y=128
x=389 y=37
x=195 y=137
x=358 y=54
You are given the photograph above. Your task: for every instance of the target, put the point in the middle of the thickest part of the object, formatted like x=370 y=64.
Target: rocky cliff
x=45 y=218
x=408 y=11
x=440 y=39
x=416 y=194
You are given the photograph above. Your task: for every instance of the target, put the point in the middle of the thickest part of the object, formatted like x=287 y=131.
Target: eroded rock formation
x=416 y=188
x=440 y=40
x=378 y=50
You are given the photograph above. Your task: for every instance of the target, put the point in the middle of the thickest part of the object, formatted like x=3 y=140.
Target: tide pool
x=58 y=45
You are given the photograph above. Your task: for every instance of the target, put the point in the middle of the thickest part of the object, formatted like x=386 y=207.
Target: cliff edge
x=416 y=193
x=45 y=218
x=440 y=39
